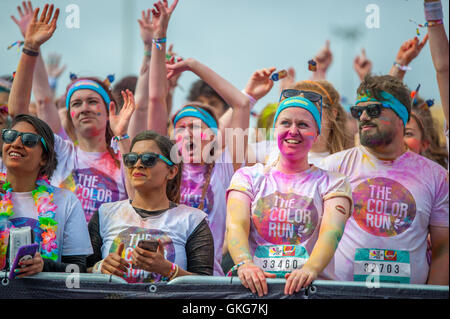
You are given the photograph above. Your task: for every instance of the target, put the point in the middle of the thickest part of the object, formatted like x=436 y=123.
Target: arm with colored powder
x=406 y=54
x=38 y=32
x=158 y=85
x=238 y=229
x=336 y=213
x=440 y=55
x=438 y=273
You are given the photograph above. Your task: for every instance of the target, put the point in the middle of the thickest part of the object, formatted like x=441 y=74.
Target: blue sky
x=234 y=37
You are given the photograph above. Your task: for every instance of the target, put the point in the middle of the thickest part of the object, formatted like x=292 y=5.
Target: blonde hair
x=338 y=140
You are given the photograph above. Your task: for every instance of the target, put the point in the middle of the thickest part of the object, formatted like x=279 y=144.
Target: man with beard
x=399 y=196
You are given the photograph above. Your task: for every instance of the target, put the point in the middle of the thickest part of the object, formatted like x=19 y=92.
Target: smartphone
x=24 y=253
x=150 y=245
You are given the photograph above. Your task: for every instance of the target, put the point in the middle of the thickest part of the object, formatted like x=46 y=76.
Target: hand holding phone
x=24 y=253
x=150 y=245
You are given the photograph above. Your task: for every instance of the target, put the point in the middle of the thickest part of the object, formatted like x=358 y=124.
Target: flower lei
x=43 y=199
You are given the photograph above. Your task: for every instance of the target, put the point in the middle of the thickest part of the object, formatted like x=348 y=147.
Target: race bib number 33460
x=280 y=259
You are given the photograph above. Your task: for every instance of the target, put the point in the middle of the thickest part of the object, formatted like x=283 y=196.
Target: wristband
x=175 y=274
x=235 y=267
x=30 y=52
x=433 y=11
x=148 y=53
x=97 y=269
x=251 y=98
x=158 y=42
x=52 y=82
x=115 y=140
x=402 y=67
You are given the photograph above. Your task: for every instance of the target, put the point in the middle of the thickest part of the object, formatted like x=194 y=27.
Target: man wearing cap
x=399 y=196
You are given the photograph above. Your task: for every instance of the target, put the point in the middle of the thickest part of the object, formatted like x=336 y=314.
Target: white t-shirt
x=93 y=177
x=286 y=212
x=72 y=233
x=394 y=204
x=215 y=206
x=267 y=152
x=119 y=222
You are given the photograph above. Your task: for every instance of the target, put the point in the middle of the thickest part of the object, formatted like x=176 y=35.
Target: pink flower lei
x=43 y=199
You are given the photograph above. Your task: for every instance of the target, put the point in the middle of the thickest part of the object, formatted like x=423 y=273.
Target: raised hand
x=410 y=50
x=54 y=70
x=119 y=122
x=174 y=69
x=324 y=58
x=161 y=16
x=260 y=83
x=173 y=81
x=362 y=65
x=146 y=27
x=25 y=17
x=41 y=30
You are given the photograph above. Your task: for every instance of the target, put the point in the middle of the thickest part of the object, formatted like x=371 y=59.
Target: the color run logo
x=131 y=238
x=383 y=207
x=285 y=218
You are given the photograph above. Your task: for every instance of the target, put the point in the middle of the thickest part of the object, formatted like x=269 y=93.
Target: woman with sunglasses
x=333 y=137
x=286 y=219
x=207 y=163
x=55 y=215
x=180 y=235
x=91 y=169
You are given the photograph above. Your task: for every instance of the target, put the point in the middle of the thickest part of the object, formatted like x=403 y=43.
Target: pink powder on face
x=413 y=144
x=72 y=114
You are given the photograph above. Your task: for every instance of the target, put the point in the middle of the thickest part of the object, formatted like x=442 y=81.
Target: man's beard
x=375 y=139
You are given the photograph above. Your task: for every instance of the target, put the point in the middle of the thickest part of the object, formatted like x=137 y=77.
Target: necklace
x=43 y=200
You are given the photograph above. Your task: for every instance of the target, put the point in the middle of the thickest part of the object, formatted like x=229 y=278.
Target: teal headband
x=190 y=111
x=301 y=102
x=87 y=85
x=390 y=102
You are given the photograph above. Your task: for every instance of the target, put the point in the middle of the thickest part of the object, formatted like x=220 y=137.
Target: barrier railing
x=73 y=285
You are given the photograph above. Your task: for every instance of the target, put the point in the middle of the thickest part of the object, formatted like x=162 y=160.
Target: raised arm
x=238 y=101
x=157 y=104
x=440 y=56
x=38 y=32
x=406 y=54
x=138 y=122
x=362 y=65
x=324 y=59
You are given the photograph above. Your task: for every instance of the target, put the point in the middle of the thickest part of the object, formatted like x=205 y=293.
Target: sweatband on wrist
x=251 y=99
x=52 y=82
x=30 y=52
x=87 y=85
x=301 y=102
x=190 y=111
x=433 y=11
x=390 y=102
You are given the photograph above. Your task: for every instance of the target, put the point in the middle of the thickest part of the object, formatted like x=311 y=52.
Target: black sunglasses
x=312 y=96
x=147 y=159
x=28 y=139
x=373 y=110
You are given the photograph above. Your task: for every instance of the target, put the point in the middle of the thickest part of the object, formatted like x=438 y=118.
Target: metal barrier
x=71 y=285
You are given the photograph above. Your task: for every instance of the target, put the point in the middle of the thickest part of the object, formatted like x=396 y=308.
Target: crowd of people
x=112 y=180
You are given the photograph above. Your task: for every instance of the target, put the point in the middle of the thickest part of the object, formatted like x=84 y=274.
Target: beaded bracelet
x=235 y=267
x=115 y=140
x=120 y=138
x=158 y=42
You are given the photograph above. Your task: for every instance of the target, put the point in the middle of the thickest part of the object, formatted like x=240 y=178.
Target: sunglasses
x=373 y=110
x=28 y=139
x=147 y=159
x=312 y=96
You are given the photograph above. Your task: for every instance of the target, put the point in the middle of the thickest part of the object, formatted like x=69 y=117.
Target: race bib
x=391 y=266
x=280 y=259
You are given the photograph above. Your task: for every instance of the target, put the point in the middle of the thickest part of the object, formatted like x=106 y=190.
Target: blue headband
x=88 y=85
x=389 y=102
x=190 y=111
x=301 y=102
